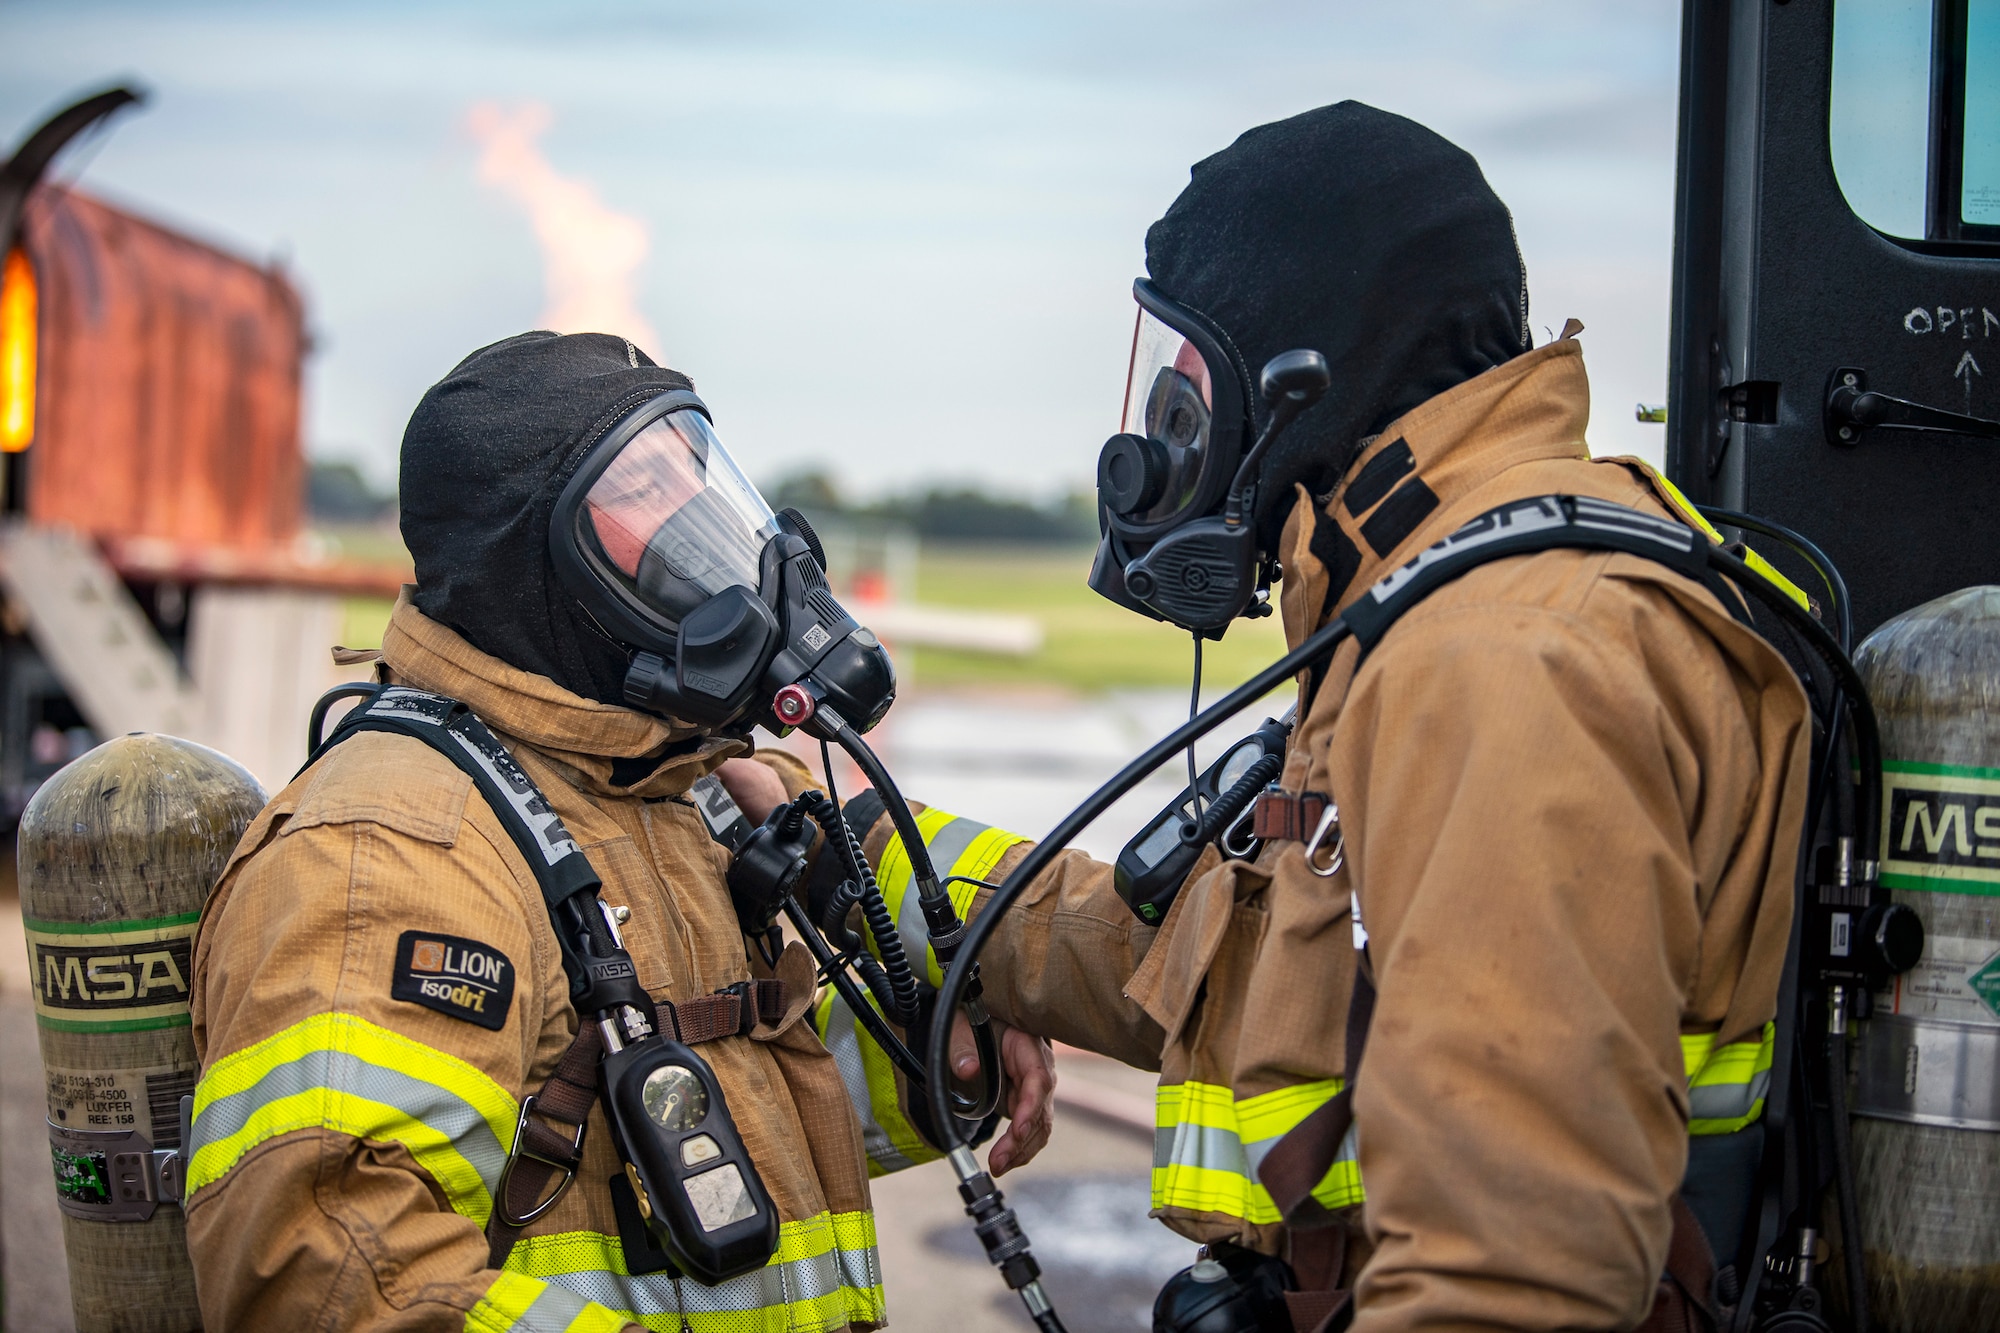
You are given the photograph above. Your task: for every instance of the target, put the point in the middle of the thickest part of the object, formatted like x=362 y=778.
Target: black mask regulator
x=659 y=536
x=735 y=656
x=1176 y=491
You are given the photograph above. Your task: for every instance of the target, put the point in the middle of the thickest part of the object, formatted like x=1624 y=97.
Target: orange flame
x=590 y=254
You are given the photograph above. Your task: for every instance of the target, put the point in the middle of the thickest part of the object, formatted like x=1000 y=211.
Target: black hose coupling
x=999 y=1230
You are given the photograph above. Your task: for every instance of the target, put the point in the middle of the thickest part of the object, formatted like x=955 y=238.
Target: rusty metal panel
x=168 y=385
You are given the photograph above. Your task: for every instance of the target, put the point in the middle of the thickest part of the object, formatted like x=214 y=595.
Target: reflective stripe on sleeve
x=517 y=1304
x=1727 y=1084
x=343 y=1073
x=891 y=1141
x=1207 y=1146
x=825 y=1275
x=957 y=846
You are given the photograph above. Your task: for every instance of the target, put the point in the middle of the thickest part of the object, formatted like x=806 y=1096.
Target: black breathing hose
x=947 y=940
x=1808 y=551
x=921 y=868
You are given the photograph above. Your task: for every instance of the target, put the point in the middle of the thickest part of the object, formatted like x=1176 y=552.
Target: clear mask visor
x=1169 y=397
x=675 y=518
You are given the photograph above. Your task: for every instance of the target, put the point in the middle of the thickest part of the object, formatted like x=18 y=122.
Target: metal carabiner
x=1338 y=856
x=520 y=1150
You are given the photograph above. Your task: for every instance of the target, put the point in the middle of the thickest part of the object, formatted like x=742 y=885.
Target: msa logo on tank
x=455 y=976
x=1941 y=828
x=112 y=976
x=1941 y=834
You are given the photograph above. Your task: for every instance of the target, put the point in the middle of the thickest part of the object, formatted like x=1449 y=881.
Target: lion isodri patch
x=455 y=976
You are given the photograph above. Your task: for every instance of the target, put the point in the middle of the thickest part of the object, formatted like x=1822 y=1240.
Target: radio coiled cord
x=892 y=982
x=1224 y=809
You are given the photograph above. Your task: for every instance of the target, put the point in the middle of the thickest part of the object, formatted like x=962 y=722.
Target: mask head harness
x=723 y=604
x=1177 y=486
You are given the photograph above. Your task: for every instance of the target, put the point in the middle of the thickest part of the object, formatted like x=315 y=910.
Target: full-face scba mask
x=724 y=604
x=1175 y=485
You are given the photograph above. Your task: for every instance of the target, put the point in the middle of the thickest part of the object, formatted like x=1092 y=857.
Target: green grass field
x=1089 y=645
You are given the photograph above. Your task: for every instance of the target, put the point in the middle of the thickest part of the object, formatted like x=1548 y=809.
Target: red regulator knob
x=793 y=705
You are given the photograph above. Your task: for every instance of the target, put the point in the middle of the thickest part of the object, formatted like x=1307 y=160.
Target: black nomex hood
x=485 y=456
x=1363 y=236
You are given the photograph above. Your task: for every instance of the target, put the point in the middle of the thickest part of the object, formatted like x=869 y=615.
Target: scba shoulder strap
x=1519 y=527
x=1527 y=527
x=560 y=867
x=548 y=1140
x=455 y=731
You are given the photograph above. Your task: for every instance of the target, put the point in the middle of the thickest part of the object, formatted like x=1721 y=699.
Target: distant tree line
x=337 y=492
x=948 y=513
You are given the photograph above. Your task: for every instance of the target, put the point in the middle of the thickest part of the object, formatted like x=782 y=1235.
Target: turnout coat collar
x=586 y=738
x=1407 y=485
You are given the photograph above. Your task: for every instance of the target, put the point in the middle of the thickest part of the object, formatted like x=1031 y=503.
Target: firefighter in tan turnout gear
x=1560 y=802
x=378 y=985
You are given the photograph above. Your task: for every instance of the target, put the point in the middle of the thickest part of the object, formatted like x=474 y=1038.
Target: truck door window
x=1914 y=118
x=1879 y=122
x=1979 y=200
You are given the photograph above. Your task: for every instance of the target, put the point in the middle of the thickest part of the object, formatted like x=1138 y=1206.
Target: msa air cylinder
x=1927 y=1085
x=117 y=852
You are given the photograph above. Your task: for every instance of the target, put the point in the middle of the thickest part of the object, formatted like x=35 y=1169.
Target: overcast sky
x=892 y=240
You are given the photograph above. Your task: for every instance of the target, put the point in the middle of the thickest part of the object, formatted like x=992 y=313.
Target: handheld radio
x=1150 y=870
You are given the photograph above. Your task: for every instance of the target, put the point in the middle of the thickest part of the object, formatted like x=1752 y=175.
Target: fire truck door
x=1834 y=369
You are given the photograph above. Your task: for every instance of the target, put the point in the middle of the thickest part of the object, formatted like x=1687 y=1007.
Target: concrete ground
x=37 y=1292
x=1082 y=1202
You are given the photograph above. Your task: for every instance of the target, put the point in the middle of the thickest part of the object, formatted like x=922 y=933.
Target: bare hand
x=756 y=790
x=1031 y=1090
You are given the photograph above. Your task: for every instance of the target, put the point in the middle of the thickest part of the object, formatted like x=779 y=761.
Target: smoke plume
x=590 y=254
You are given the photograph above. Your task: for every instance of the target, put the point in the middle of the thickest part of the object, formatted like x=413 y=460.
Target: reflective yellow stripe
x=1785 y=585
x=343 y=1073
x=957 y=846
x=891 y=1141
x=1726 y=1085
x=1207 y=1145
x=517 y=1304
x=825 y=1275
x=1756 y=562
x=894 y=873
x=980 y=858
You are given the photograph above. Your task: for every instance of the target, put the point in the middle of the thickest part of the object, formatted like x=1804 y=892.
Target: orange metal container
x=167 y=403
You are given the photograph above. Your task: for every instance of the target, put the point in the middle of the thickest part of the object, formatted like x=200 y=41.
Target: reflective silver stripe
x=946 y=846
x=1727 y=1101
x=1220 y=1150
x=860 y=1269
x=844 y=1044
x=553 y=1311
x=776 y=1285
x=340 y=1071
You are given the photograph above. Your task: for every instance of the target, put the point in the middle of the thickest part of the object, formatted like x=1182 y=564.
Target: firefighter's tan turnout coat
x=348 y=1141
x=1571 y=788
